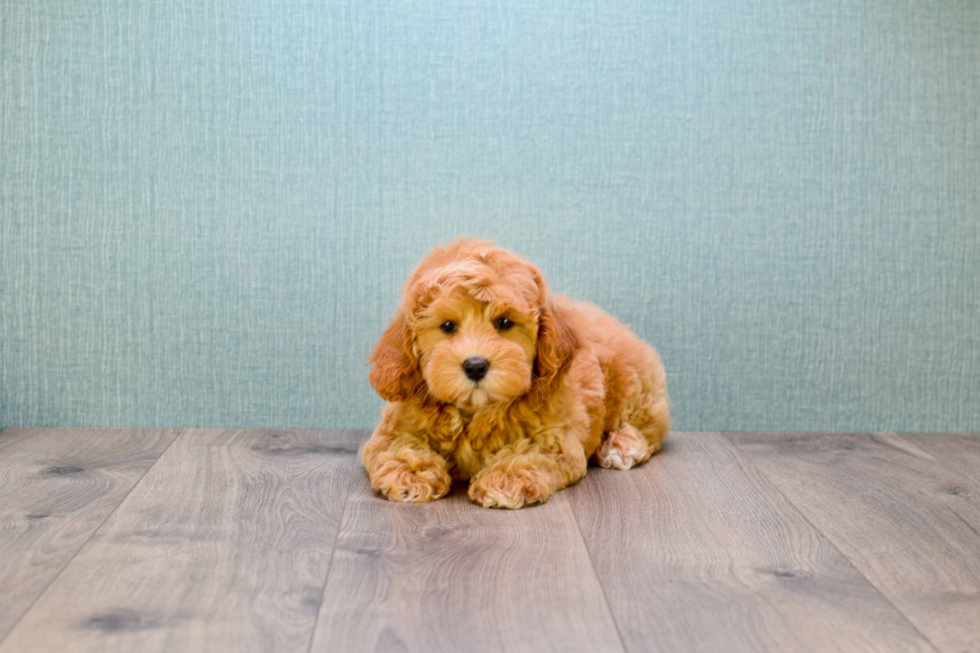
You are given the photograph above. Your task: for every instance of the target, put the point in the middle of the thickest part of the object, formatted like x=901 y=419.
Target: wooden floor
x=208 y=540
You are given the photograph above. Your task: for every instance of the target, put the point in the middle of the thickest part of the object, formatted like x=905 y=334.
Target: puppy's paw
x=511 y=487
x=410 y=477
x=623 y=449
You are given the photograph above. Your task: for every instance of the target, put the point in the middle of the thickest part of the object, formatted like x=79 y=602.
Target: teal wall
x=207 y=208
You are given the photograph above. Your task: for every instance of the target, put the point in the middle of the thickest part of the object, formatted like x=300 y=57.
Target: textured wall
x=208 y=208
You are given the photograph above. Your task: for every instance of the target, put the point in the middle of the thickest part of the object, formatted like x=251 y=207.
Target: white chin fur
x=478 y=398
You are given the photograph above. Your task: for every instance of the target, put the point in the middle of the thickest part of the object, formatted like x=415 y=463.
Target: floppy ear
x=556 y=344
x=394 y=367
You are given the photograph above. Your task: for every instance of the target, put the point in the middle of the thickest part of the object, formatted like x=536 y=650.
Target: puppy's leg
x=526 y=473
x=404 y=468
x=645 y=423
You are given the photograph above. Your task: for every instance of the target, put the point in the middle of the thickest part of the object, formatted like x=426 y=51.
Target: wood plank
x=452 y=576
x=224 y=545
x=56 y=487
x=959 y=453
x=698 y=552
x=904 y=509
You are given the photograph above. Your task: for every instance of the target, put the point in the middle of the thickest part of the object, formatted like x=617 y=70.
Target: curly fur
x=565 y=384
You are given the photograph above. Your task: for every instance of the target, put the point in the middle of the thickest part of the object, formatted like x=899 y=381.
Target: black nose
x=476 y=368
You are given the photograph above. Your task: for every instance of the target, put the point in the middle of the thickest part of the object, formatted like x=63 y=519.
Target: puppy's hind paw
x=623 y=449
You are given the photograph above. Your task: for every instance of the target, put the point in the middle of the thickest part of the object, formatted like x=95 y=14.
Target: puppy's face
x=473 y=353
x=476 y=327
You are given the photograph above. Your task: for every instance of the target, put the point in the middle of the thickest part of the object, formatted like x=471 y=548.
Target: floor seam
x=333 y=551
x=595 y=572
x=829 y=541
x=47 y=587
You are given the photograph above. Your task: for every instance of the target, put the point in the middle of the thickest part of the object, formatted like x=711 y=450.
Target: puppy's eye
x=503 y=323
x=448 y=326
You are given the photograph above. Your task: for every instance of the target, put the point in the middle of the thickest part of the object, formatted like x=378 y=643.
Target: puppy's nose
x=476 y=368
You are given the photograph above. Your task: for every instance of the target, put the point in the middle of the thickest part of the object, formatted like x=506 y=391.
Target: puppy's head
x=476 y=326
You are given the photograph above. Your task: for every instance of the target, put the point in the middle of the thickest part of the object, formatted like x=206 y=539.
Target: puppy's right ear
x=395 y=373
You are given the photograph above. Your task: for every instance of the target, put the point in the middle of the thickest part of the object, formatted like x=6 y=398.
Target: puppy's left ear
x=556 y=341
x=395 y=372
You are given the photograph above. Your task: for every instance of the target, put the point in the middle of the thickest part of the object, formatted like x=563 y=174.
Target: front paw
x=410 y=477
x=511 y=487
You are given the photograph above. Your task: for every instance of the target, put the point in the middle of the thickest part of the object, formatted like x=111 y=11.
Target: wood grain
x=904 y=509
x=224 y=545
x=698 y=552
x=840 y=542
x=56 y=487
x=452 y=576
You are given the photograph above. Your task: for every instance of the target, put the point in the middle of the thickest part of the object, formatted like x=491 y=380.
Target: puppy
x=493 y=380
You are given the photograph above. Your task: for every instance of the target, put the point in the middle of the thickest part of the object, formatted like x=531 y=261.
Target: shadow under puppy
x=492 y=379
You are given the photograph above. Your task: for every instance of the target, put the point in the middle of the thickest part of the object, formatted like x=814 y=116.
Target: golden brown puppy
x=493 y=380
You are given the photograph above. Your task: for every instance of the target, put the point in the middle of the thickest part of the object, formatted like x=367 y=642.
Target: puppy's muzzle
x=476 y=368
